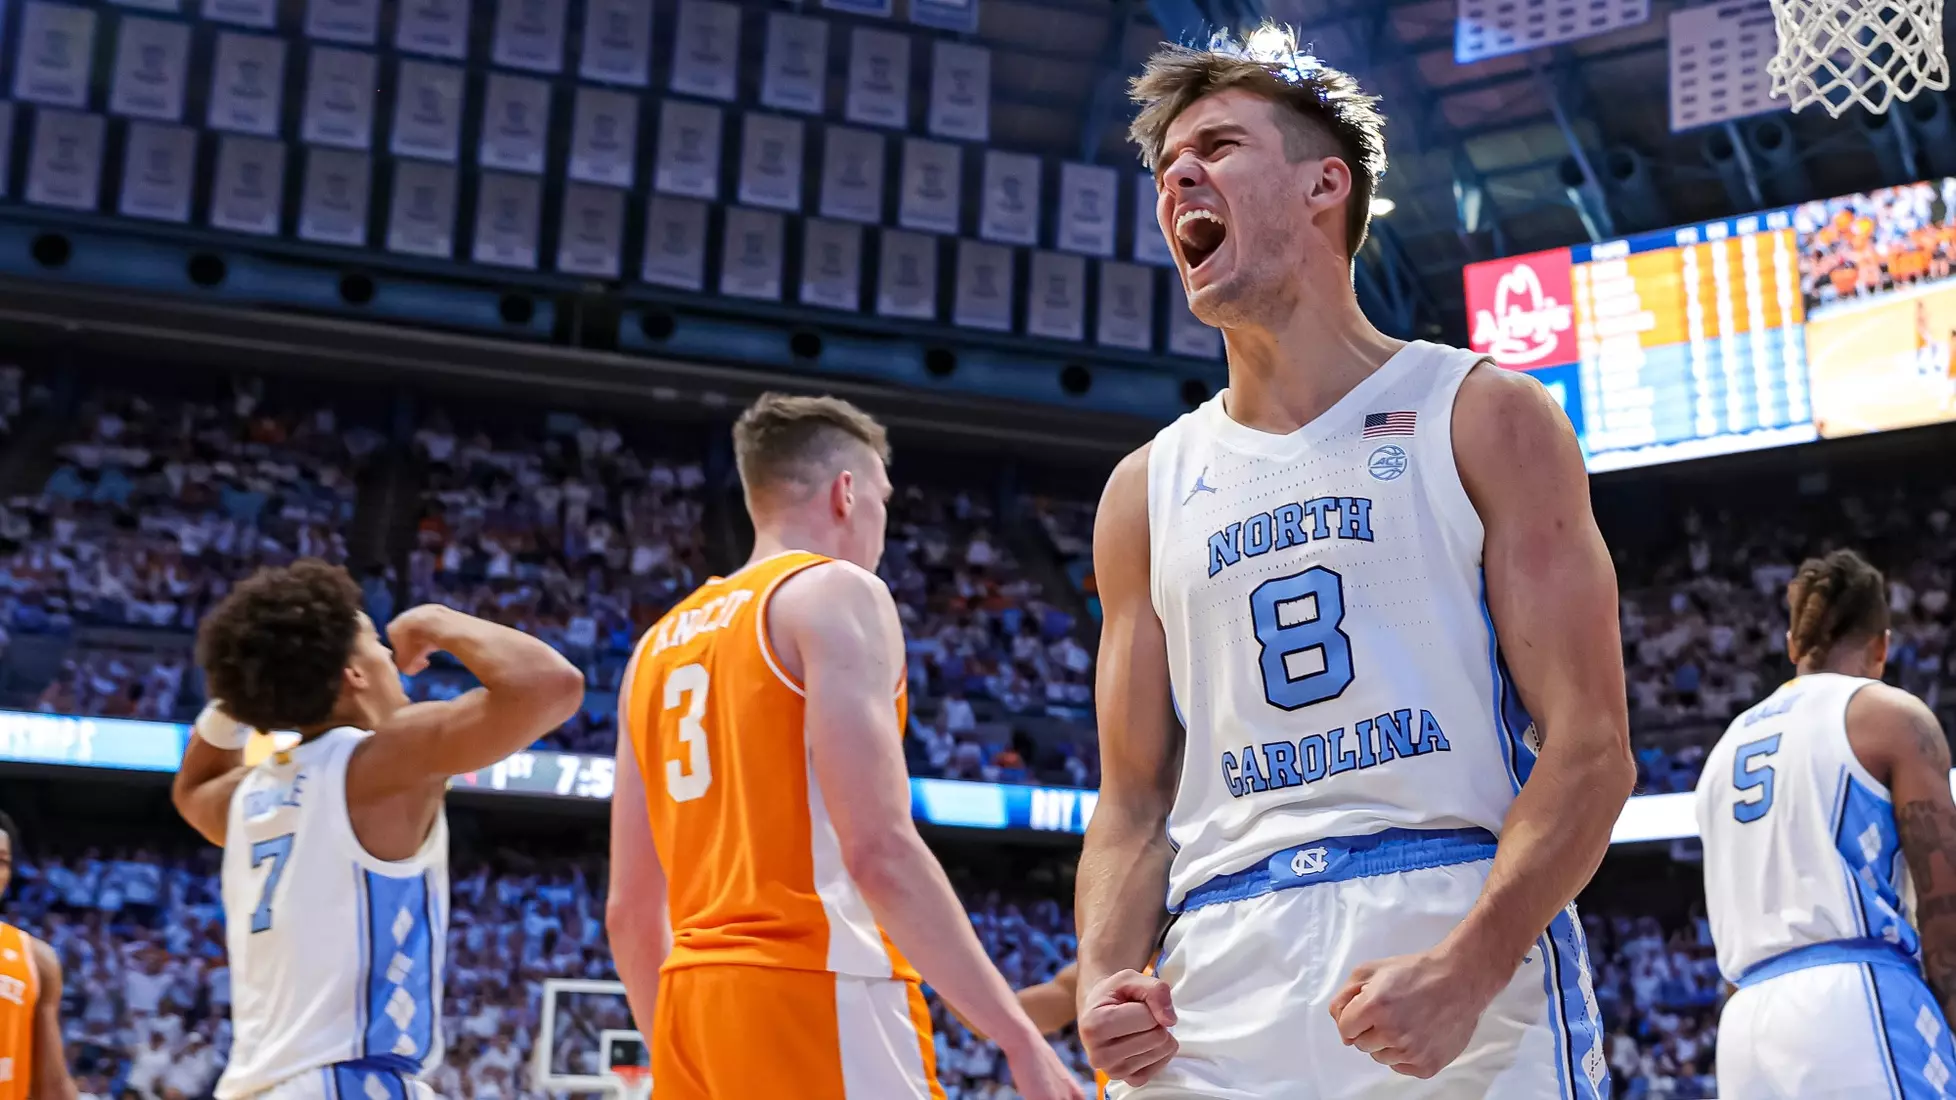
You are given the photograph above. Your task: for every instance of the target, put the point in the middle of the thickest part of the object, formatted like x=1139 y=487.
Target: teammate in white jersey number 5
x=1352 y=576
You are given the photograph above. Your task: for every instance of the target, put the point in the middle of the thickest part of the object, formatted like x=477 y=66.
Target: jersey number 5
x=1747 y=776
x=1296 y=617
x=687 y=684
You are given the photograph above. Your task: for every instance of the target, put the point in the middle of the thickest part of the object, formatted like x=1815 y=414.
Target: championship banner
x=984 y=298
x=593 y=225
x=355 y=22
x=158 y=164
x=931 y=179
x=770 y=162
x=750 y=266
x=617 y=42
x=689 y=150
x=879 y=78
x=1056 y=297
x=1127 y=306
x=795 y=76
x=1087 y=208
x=1186 y=334
x=878 y=8
x=249 y=185
x=64 y=167
x=906 y=276
x=340 y=98
x=530 y=35
x=428 y=111
x=604 y=138
x=437 y=28
x=152 y=57
x=515 y=116
x=956 y=16
x=262 y=14
x=960 y=91
x=1150 y=247
x=7 y=113
x=852 y=175
x=706 y=49
x=421 y=215
x=1010 y=208
x=506 y=211
x=832 y=264
x=675 y=243
x=247 y=84
x=57 y=48
x=333 y=209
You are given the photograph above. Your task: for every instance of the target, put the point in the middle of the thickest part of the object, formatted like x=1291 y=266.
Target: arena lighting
x=1381 y=206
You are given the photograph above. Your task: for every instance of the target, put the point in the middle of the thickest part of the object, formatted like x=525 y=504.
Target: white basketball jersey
x=1329 y=645
x=1800 y=840
x=335 y=956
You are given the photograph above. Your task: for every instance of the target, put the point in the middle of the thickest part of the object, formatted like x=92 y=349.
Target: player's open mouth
x=1200 y=233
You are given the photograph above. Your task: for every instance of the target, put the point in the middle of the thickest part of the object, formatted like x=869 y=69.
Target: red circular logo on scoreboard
x=1519 y=312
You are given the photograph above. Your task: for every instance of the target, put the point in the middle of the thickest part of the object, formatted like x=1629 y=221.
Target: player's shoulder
x=1887 y=726
x=1508 y=429
x=47 y=964
x=828 y=586
x=1876 y=703
x=1126 y=493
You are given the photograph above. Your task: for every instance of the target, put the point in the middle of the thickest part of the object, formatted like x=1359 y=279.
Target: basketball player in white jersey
x=1353 y=576
x=1823 y=810
x=335 y=874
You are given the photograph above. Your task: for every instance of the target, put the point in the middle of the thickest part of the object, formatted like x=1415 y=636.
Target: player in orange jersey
x=761 y=838
x=33 y=1065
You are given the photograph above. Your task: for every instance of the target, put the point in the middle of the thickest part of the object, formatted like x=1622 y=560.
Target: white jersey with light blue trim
x=1329 y=646
x=336 y=957
x=1800 y=840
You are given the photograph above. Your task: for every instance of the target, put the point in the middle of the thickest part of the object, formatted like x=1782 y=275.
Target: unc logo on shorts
x=1387 y=463
x=1310 y=861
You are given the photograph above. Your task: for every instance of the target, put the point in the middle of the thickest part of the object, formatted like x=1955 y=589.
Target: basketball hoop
x=1838 y=53
x=632 y=1082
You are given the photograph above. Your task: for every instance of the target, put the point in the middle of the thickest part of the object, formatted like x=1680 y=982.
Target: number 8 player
x=1353 y=576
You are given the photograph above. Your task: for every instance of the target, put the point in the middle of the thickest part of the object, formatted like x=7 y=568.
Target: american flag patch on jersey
x=1392 y=423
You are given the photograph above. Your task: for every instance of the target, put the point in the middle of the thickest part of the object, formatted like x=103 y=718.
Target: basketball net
x=633 y=1082
x=1838 y=53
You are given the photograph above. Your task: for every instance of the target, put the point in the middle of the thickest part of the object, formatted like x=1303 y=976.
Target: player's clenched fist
x=1124 y=1026
x=1415 y=1013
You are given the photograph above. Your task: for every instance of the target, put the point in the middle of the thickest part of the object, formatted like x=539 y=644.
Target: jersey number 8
x=688 y=684
x=1290 y=629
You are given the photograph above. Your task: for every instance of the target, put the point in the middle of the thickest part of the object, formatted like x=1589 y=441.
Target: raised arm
x=636 y=919
x=1896 y=736
x=210 y=772
x=51 y=1080
x=1122 y=885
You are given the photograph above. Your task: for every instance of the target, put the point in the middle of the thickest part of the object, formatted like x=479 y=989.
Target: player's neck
x=1285 y=376
x=1841 y=664
x=784 y=536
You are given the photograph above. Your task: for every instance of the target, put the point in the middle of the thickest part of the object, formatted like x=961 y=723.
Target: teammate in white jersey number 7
x=1352 y=575
x=335 y=875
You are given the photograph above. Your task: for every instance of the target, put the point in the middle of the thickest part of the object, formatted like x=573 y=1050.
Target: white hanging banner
x=506 y=210
x=604 y=138
x=931 y=179
x=249 y=186
x=617 y=42
x=956 y=16
x=158 y=165
x=593 y=225
x=1150 y=247
x=65 y=166
x=750 y=266
x=1186 y=334
x=152 y=57
x=334 y=207
x=356 y=22
x=530 y=35
x=437 y=28
x=1010 y=211
x=689 y=150
x=960 y=91
x=6 y=144
x=906 y=276
x=852 y=175
x=770 y=161
x=832 y=264
x=262 y=14
x=1087 y=206
x=675 y=243
x=796 y=73
x=1127 y=306
x=879 y=78
x=428 y=111
x=515 y=121
x=421 y=217
x=1056 y=296
x=340 y=98
x=878 y=8
x=247 y=84
x=706 y=49
x=984 y=298
x=57 y=50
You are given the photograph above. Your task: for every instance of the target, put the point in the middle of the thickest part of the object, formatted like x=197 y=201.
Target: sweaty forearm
x=1928 y=835
x=1121 y=891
